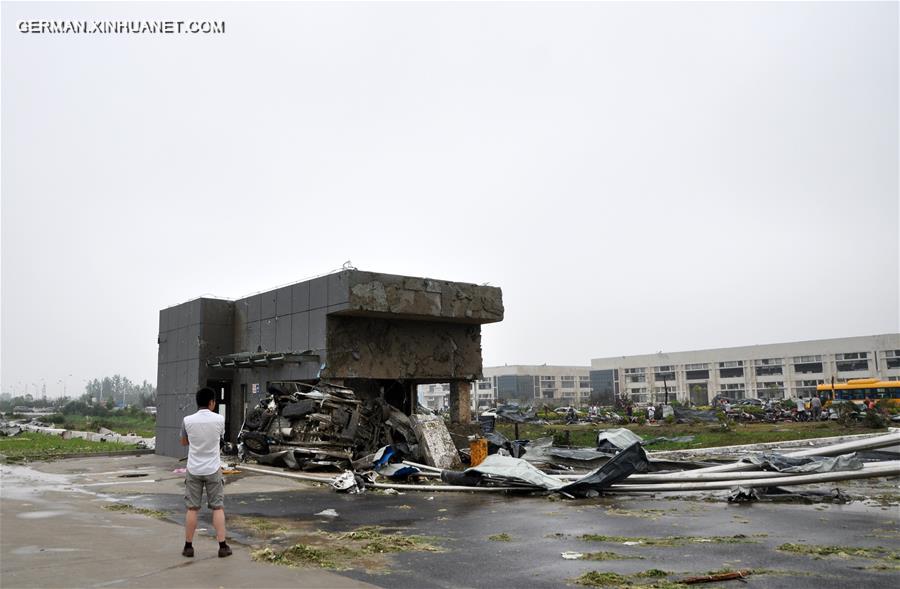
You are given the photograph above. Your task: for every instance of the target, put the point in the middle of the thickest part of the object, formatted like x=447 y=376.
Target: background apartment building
x=776 y=371
x=550 y=385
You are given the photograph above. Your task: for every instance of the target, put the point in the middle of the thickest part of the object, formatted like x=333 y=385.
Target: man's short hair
x=204 y=396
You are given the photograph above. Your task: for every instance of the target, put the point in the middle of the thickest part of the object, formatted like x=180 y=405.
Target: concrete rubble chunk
x=435 y=441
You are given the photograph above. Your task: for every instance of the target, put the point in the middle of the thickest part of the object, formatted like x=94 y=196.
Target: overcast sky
x=636 y=178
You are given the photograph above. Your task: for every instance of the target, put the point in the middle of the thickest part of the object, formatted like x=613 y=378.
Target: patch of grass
x=258 y=526
x=653 y=514
x=652 y=574
x=504 y=537
x=361 y=548
x=839 y=551
x=142 y=424
x=364 y=533
x=887 y=499
x=607 y=556
x=375 y=541
x=782 y=573
x=706 y=435
x=615 y=580
x=301 y=555
x=598 y=579
x=884 y=568
x=35 y=446
x=125 y=508
x=670 y=541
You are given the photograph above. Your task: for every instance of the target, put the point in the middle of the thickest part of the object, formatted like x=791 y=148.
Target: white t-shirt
x=203 y=430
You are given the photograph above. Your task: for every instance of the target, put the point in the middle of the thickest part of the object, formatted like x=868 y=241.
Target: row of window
x=762 y=370
x=763 y=362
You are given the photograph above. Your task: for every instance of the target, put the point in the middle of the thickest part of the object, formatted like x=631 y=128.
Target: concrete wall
x=386 y=295
x=364 y=347
x=291 y=318
x=188 y=334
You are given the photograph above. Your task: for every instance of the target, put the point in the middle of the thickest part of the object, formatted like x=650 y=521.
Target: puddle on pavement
x=29 y=550
x=25 y=484
x=47 y=514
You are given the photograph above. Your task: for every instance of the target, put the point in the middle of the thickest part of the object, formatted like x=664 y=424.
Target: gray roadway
x=540 y=529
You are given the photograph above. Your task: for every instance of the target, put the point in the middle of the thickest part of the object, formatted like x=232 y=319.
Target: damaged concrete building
x=377 y=334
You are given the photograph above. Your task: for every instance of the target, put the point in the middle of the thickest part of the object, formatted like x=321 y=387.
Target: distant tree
x=119 y=388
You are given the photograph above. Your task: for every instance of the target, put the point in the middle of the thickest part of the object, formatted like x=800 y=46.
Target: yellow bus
x=860 y=389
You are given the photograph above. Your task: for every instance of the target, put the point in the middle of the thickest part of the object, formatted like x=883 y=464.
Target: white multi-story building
x=765 y=371
x=434 y=396
x=551 y=385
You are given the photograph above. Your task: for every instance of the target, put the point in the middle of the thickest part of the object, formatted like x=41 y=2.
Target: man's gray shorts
x=215 y=490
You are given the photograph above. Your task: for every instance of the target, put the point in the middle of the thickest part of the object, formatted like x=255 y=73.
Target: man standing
x=815 y=405
x=202 y=432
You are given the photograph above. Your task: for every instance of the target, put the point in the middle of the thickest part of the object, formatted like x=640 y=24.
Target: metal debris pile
x=376 y=445
x=623 y=468
x=323 y=426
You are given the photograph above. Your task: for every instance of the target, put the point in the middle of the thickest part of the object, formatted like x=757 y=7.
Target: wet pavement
x=539 y=529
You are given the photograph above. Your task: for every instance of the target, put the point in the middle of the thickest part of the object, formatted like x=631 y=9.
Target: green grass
x=141 y=424
x=670 y=541
x=364 y=547
x=125 y=508
x=840 y=551
x=504 y=537
x=601 y=579
x=707 y=435
x=37 y=446
x=603 y=555
x=304 y=555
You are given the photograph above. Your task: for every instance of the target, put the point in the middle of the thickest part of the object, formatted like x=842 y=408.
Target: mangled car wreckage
x=311 y=427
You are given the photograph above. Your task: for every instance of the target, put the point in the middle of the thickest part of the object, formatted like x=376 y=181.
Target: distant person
x=202 y=433
x=801 y=408
x=651 y=413
x=815 y=405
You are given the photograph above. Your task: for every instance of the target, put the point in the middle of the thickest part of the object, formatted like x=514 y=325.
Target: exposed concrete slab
x=440 y=451
x=372 y=293
x=363 y=347
x=460 y=402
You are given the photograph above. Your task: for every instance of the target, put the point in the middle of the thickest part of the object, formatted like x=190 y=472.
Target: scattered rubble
x=376 y=445
x=327 y=426
x=723 y=576
x=17 y=427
